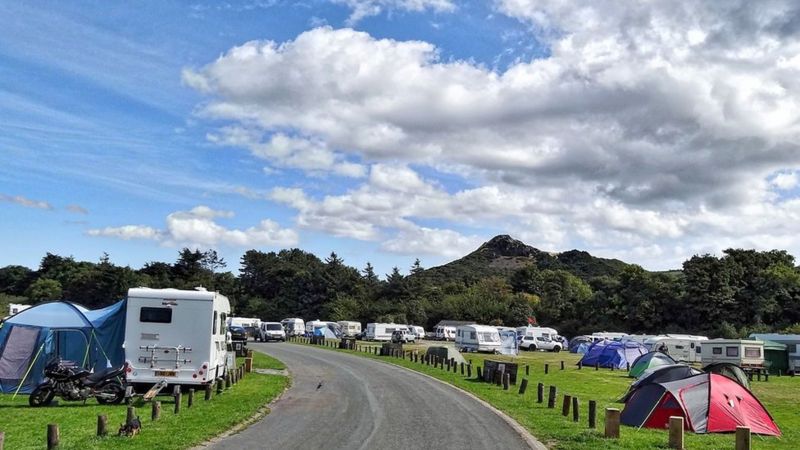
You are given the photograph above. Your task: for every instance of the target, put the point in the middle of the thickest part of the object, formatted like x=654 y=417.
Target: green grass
x=25 y=427
x=781 y=397
x=262 y=361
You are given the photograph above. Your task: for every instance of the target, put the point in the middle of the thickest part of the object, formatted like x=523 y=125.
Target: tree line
x=739 y=292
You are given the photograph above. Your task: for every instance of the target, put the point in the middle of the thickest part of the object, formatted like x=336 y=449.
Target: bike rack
x=153 y=359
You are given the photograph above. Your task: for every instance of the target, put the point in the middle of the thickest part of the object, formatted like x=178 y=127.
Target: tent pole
x=27 y=372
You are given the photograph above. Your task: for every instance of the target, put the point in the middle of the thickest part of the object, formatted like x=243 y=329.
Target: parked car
x=238 y=333
x=540 y=343
x=403 y=336
x=272 y=331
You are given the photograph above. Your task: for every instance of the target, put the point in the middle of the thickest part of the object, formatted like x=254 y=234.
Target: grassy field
x=781 y=396
x=25 y=427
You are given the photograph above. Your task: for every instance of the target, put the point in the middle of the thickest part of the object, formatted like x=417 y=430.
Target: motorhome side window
x=155 y=315
x=792 y=348
x=214 y=323
x=752 y=352
x=716 y=350
x=731 y=351
x=223 y=324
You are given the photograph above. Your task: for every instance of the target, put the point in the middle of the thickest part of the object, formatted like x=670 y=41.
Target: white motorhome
x=349 y=328
x=382 y=331
x=418 y=331
x=681 y=347
x=294 y=326
x=742 y=352
x=536 y=332
x=640 y=338
x=609 y=335
x=244 y=322
x=15 y=308
x=478 y=338
x=175 y=336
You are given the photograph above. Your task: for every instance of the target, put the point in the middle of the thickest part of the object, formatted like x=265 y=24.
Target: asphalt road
x=367 y=404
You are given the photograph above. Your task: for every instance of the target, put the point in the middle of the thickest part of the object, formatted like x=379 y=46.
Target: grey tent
x=660 y=374
x=729 y=370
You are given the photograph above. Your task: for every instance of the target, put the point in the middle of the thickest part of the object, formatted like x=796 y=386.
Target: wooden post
x=676 y=432
x=155 y=413
x=551 y=397
x=462 y=369
x=527 y=370
x=597 y=366
x=178 y=403
x=219 y=386
x=742 y=438
x=506 y=381
x=469 y=370
x=523 y=386
x=592 y=414
x=562 y=365
x=612 y=423
x=580 y=365
x=208 y=392
x=249 y=353
x=102 y=428
x=480 y=377
x=758 y=374
x=53 y=436
x=565 y=404
x=546 y=368
x=575 y=413
x=627 y=367
x=2 y=440
x=228 y=379
x=248 y=365
x=190 y=400
x=131 y=414
x=539 y=393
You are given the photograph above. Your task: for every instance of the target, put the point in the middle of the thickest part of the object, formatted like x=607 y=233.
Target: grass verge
x=781 y=397
x=25 y=427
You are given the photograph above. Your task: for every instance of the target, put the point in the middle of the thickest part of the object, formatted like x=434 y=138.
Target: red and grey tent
x=709 y=403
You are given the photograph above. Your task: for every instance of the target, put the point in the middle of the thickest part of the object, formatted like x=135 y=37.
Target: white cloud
x=197 y=227
x=786 y=181
x=25 y=201
x=366 y=8
x=77 y=209
x=432 y=241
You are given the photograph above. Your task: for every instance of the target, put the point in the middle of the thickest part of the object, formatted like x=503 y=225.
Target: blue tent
x=613 y=354
x=28 y=340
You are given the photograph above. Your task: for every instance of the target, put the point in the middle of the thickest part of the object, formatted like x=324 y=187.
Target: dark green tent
x=648 y=361
x=775 y=357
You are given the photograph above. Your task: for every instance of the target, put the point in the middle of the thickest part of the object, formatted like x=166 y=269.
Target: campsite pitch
x=780 y=396
x=25 y=427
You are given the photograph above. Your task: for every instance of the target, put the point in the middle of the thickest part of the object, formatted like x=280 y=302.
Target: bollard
x=592 y=414
x=190 y=400
x=102 y=428
x=580 y=365
x=546 y=368
x=612 y=423
x=131 y=414
x=539 y=393
x=480 y=377
x=219 y=386
x=155 y=412
x=551 y=397
x=575 y=414
x=676 y=432
x=523 y=386
x=597 y=366
x=562 y=365
x=227 y=379
x=742 y=438
x=527 y=370
x=565 y=404
x=178 y=403
x=248 y=365
x=455 y=367
x=208 y=392
x=53 y=436
x=469 y=370
x=506 y=380
x=462 y=369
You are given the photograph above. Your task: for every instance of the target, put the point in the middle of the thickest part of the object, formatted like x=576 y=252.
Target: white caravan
x=294 y=326
x=745 y=353
x=536 y=332
x=382 y=331
x=609 y=335
x=478 y=338
x=244 y=322
x=681 y=347
x=175 y=336
x=418 y=331
x=349 y=328
x=445 y=332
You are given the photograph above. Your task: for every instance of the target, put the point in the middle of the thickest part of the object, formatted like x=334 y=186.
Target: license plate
x=166 y=373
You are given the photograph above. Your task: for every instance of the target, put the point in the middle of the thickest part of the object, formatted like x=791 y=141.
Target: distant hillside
x=502 y=255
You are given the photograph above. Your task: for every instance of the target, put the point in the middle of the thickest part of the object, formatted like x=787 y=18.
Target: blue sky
x=418 y=129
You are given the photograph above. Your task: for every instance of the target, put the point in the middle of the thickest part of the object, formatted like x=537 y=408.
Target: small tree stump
x=576 y=416
x=551 y=397
x=53 y=436
x=565 y=404
x=676 y=432
x=742 y=438
x=155 y=413
x=592 y=414
x=523 y=386
x=612 y=423
x=102 y=427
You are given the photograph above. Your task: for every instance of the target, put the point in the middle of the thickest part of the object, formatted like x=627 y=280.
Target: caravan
x=382 y=331
x=293 y=326
x=349 y=328
x=175 y=336
x=743 y=353
x=418 y=331
x=478 y=338
x=609 y=335
x=681 y=347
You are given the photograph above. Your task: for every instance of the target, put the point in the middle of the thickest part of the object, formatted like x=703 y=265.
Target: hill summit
x=502 y=255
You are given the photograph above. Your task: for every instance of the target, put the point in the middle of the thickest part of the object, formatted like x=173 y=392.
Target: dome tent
x=615 y=354
x=648 y=361
x=729 y=370
x=660 y=374
x=31 y=338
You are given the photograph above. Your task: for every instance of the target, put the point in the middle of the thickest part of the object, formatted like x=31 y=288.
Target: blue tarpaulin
x=28 y=340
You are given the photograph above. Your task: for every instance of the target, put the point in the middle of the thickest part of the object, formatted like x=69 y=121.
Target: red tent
x=709 y=403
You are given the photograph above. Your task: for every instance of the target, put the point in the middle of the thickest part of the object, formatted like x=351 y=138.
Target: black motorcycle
x=73 y=383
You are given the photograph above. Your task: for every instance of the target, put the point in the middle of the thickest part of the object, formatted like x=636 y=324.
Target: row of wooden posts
x=231 y=378
x=570 y=405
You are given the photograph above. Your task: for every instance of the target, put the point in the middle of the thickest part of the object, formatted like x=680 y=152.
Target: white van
x=382 y=331
x=272 y=331
x=294 y=326
x=478 y=338
x=536 y=332
x=349 y=328
x=418 y=331
x=175 y=336
x=445 y=332
x=681 y=347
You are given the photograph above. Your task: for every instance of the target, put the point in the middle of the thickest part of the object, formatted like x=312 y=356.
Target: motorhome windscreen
x=489 y=337
x=155 y=315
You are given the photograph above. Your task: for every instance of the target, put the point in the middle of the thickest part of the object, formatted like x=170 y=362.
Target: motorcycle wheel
x=41 y=396
x=110 y=389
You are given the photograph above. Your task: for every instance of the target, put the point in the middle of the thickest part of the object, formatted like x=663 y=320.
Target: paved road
x=367 y=404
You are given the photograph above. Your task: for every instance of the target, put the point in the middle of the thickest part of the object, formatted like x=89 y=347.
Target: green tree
x=44 y=289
